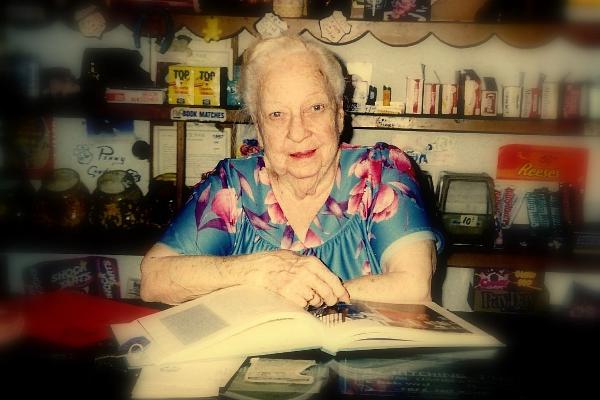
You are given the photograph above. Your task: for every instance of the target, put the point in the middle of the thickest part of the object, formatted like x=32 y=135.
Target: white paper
x=271 y=26
x=194 y=379
x=467 y=197
x=205 y=147
x=335 y=27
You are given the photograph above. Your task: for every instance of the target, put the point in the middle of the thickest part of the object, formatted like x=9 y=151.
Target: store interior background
x=57 y=45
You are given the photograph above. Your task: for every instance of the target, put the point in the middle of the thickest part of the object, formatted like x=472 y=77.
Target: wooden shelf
x=162 y=112
x=135 y=242
x=531 y=261
x=473 y=124
x=384 y=121
x=456 y=34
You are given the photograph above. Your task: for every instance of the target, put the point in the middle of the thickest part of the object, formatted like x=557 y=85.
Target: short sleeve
x=397 y=210
x=207 y=223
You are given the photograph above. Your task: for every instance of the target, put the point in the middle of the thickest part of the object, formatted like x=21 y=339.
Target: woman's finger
x=321 y=288
x=330 y=279
x=316 y=300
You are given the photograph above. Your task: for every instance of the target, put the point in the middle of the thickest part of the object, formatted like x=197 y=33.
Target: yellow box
x=191 y=85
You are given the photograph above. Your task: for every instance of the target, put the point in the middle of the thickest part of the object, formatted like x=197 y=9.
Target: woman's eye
x=318 y=107
x=275 y=114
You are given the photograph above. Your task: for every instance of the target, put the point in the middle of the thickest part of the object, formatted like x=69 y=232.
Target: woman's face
x=299 y=121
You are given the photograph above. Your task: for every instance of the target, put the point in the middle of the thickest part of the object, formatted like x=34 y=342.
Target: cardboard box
x=135 y=96
x=192 y=85
x=489 y=97
x=449 y=99
x=431 y=98
x=470 y=86
x=414 y=95
x=508 y=291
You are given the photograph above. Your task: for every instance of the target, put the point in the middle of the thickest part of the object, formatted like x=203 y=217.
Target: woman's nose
x=298 y=131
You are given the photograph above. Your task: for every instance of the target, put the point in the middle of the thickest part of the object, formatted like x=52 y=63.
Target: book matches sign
x=198 y=114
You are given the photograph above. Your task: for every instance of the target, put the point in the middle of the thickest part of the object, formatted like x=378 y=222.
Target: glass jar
x=161 y=200
x=62 y=202
x=116 y=202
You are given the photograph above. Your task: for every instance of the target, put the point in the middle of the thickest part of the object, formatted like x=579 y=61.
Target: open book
x=244 y=321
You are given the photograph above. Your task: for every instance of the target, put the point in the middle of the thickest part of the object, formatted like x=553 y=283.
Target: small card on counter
x=267 y=370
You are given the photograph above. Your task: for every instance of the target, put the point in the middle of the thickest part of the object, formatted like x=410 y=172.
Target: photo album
x=245 y=321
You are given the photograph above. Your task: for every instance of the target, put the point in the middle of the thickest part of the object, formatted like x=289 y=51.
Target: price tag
x=468 y=220
x=198 y=114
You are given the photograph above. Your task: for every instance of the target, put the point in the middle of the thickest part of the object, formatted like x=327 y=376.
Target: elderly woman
x=308 y=218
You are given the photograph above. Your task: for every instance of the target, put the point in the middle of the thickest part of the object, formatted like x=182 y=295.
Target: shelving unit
x=522 y=261
x=456 y=34
x=396 y=34
x=445 y=123
x=401 y=34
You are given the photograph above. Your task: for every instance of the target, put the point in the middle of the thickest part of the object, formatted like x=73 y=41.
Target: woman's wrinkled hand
x=304 y=280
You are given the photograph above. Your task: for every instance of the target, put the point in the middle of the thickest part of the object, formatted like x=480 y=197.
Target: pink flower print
x=245 y=185
x=225 y=206
x=368 y=169
x=360 y=199
x=386 y=204
x=359 y=249
x=366 y=268
x=403 y=7
x=334 y=207
x=201 y=205
x=287 y=239
x=263 y=176
x=259 y=221
x=312 y=239
x=260 y=173
x=403 y=189
x=274 y=210
x=401 y=161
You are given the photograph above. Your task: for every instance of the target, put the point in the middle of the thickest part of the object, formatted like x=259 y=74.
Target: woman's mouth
x=303 y=154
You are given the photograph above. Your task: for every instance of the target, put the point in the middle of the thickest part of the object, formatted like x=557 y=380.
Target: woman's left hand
x=304 y=280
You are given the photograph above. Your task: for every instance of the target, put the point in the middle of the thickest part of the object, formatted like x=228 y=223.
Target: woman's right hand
x=304 y=280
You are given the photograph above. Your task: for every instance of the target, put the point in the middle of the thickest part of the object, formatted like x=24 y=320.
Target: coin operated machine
x=466 y=204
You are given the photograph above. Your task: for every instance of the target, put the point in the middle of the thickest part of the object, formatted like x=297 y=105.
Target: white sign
x=271 y=26
x=335 y=27
x=198 y=114
x=205 y=147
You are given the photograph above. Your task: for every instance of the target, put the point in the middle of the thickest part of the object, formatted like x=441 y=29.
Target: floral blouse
x=374 y=202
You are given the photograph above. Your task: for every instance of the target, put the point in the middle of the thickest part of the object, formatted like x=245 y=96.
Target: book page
x=379 y=325
x=210 y=319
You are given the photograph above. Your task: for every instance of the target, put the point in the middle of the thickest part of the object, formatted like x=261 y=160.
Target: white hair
x=264 y=52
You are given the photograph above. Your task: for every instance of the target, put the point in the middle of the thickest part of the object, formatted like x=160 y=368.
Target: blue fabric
x=374 y=202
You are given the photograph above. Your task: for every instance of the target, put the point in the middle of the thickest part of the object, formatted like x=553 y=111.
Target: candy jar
x=62 y=202
x=116 y=202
